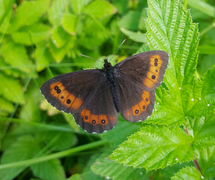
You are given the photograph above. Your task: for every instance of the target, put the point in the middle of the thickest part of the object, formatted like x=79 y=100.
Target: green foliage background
x=43 y=38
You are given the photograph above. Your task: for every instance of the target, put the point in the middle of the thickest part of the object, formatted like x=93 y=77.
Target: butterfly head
x=107 y=65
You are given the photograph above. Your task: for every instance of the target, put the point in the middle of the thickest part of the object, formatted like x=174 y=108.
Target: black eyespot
x=68 y=101
x=86 y=117
x=136 y=111
x=94 y=121
x=144 y=107
x=156 y=60
x=155 y=64
x=147 y=99
x=56 y=87
x=103 y=121
x=58 y=91
x=62 y=97
x=156 y=70
x=153 y=76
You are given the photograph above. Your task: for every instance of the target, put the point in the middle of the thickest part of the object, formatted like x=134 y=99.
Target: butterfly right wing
x=137 y=78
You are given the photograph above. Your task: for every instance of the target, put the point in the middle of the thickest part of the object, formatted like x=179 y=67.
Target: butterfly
x=95 y=97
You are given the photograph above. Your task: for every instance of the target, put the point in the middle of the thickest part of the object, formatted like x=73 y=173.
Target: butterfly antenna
x=87 y=56
x=118 y=48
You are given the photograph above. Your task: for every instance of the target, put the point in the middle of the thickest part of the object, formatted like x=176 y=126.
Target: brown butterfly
x=95 y=97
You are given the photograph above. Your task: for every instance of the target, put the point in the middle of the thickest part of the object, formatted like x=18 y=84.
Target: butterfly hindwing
x=137 y=78
x=86 y=95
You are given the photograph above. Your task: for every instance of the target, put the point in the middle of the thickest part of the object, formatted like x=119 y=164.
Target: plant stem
x=53 y=156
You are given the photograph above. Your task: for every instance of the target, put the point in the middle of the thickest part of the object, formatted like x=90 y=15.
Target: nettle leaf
x=190 y=173
x=170 y=28
x=155 y=147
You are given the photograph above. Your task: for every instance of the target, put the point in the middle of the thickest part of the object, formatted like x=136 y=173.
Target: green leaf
x=78 y=5
x=23 y=148
x=99 y=9
x=130 y=21
x=202 y=129
x=206 y=159
x=28 y=13
x=110 y=169
x=121 y=131
x=51 y=169
x=206 y=49
x=60 y=36
x=32 y=34
x=16 y=56
x=10 y=89
x=88 y=173
x=135 y=36
x=55 y=13
x=170 y=28
x=59 y=53
x=155 y=147
x=5 y=105
x=190 y=173
x=64 y=140
x=202 y=7
x=43 y=56
x=5 y=10
x=69 y=23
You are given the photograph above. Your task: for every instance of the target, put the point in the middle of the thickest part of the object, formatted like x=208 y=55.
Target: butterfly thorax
x=111 y=81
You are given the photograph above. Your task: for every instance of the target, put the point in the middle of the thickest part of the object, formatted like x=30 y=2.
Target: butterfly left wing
x=86 y=95
x=137 y=78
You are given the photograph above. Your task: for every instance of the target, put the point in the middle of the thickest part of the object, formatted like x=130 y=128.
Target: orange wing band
x=139 y=107
x=154 y=70
x=93 y=119
x=58 y=90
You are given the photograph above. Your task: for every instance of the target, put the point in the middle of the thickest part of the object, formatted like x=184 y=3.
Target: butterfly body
x=96 y=96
